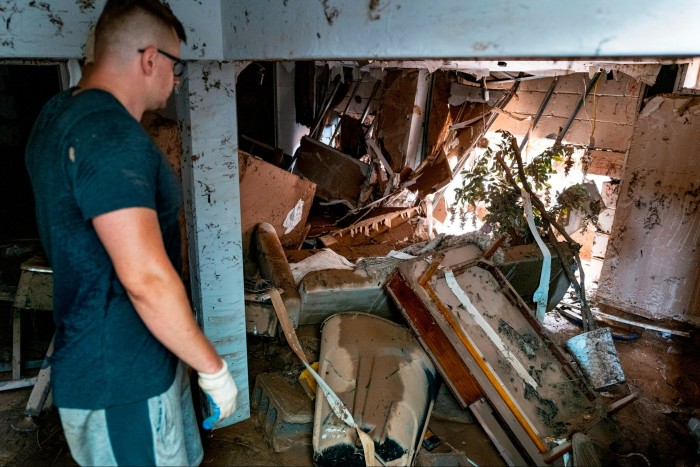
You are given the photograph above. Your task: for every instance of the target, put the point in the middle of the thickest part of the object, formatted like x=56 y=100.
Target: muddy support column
x=206 y=109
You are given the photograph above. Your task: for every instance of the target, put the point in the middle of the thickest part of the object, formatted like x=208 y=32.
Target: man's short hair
x=116 y=11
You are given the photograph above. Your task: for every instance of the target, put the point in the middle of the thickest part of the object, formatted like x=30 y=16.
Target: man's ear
x=148 y=60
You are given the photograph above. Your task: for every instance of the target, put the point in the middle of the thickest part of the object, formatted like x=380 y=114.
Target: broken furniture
x=284 y=411
x=34 y=292
x=337 y=176
x=322 y=293
x=318 y=295
x=39 y=397
x=274 y=268
x=521 y=265
x=385 y=379
x=326 y=292
x=488 y=346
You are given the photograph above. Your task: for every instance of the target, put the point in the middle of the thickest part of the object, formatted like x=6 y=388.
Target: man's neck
x=119 y=87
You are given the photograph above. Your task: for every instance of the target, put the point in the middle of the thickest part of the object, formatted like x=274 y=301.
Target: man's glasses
x=178 y=66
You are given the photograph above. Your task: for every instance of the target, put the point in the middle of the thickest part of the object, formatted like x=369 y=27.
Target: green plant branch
x=587 y=316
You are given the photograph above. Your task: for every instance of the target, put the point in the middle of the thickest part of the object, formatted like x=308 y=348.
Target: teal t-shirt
x=87 y=156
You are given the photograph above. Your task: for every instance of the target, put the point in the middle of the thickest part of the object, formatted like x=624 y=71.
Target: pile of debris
x=459 y=320
x=344 y=238
x=401 y=310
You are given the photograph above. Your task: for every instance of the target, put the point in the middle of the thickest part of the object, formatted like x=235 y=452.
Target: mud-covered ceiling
x=643 y=69
x=392 y=29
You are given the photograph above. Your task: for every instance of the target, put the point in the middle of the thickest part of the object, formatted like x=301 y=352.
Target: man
x=107 y=206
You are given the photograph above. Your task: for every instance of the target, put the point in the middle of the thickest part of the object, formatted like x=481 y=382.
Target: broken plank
x=637 y=324
x=274 y=267
x=361 y=232
x=457 y=375
x=378 y=152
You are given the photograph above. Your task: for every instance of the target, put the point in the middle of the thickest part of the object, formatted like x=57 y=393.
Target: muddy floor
x=663 y=369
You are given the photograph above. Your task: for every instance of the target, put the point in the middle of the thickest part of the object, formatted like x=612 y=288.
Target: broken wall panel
x=440 y=118
x=652 y=263
x=432 y=176
x=394 y=120
x=356 y=106
x=575 y=83
x=476 y=113
x=270 y=194
x=461 y=93
x=607 y=108
x=337 y=176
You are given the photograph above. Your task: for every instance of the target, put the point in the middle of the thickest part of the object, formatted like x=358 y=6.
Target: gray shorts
x=161 y=430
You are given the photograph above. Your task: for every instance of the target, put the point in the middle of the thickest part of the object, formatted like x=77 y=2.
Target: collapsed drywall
x=652 y=262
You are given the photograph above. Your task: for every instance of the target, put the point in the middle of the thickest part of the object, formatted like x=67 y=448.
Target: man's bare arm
x=133 y=241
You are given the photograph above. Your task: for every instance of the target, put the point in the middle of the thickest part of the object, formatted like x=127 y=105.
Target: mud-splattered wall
x=58 y=29
x=321 y=29
x=652 y=265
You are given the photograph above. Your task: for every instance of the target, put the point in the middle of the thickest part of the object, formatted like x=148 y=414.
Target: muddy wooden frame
x=460 y=356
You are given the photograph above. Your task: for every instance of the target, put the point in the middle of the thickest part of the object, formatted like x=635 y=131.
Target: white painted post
x=206 y=109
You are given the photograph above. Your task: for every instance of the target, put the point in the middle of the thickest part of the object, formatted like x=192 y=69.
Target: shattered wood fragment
x=463 y=385
x=394 y=123
x=432 y=177
x=274 y=268
x=366 y=230
x=270 y=194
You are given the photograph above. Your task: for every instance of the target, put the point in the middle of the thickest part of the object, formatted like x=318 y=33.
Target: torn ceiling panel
x=643 y=69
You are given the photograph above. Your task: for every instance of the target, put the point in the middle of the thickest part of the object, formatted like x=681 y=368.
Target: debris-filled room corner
x=442 y=266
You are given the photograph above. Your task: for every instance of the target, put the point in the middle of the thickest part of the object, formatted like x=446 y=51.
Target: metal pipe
x=426 y=121
x=345 y=110
x=326 y=106
x=369 y=101
x=540 y=111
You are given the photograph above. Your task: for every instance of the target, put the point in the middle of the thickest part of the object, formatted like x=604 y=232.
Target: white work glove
x=221 y=391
